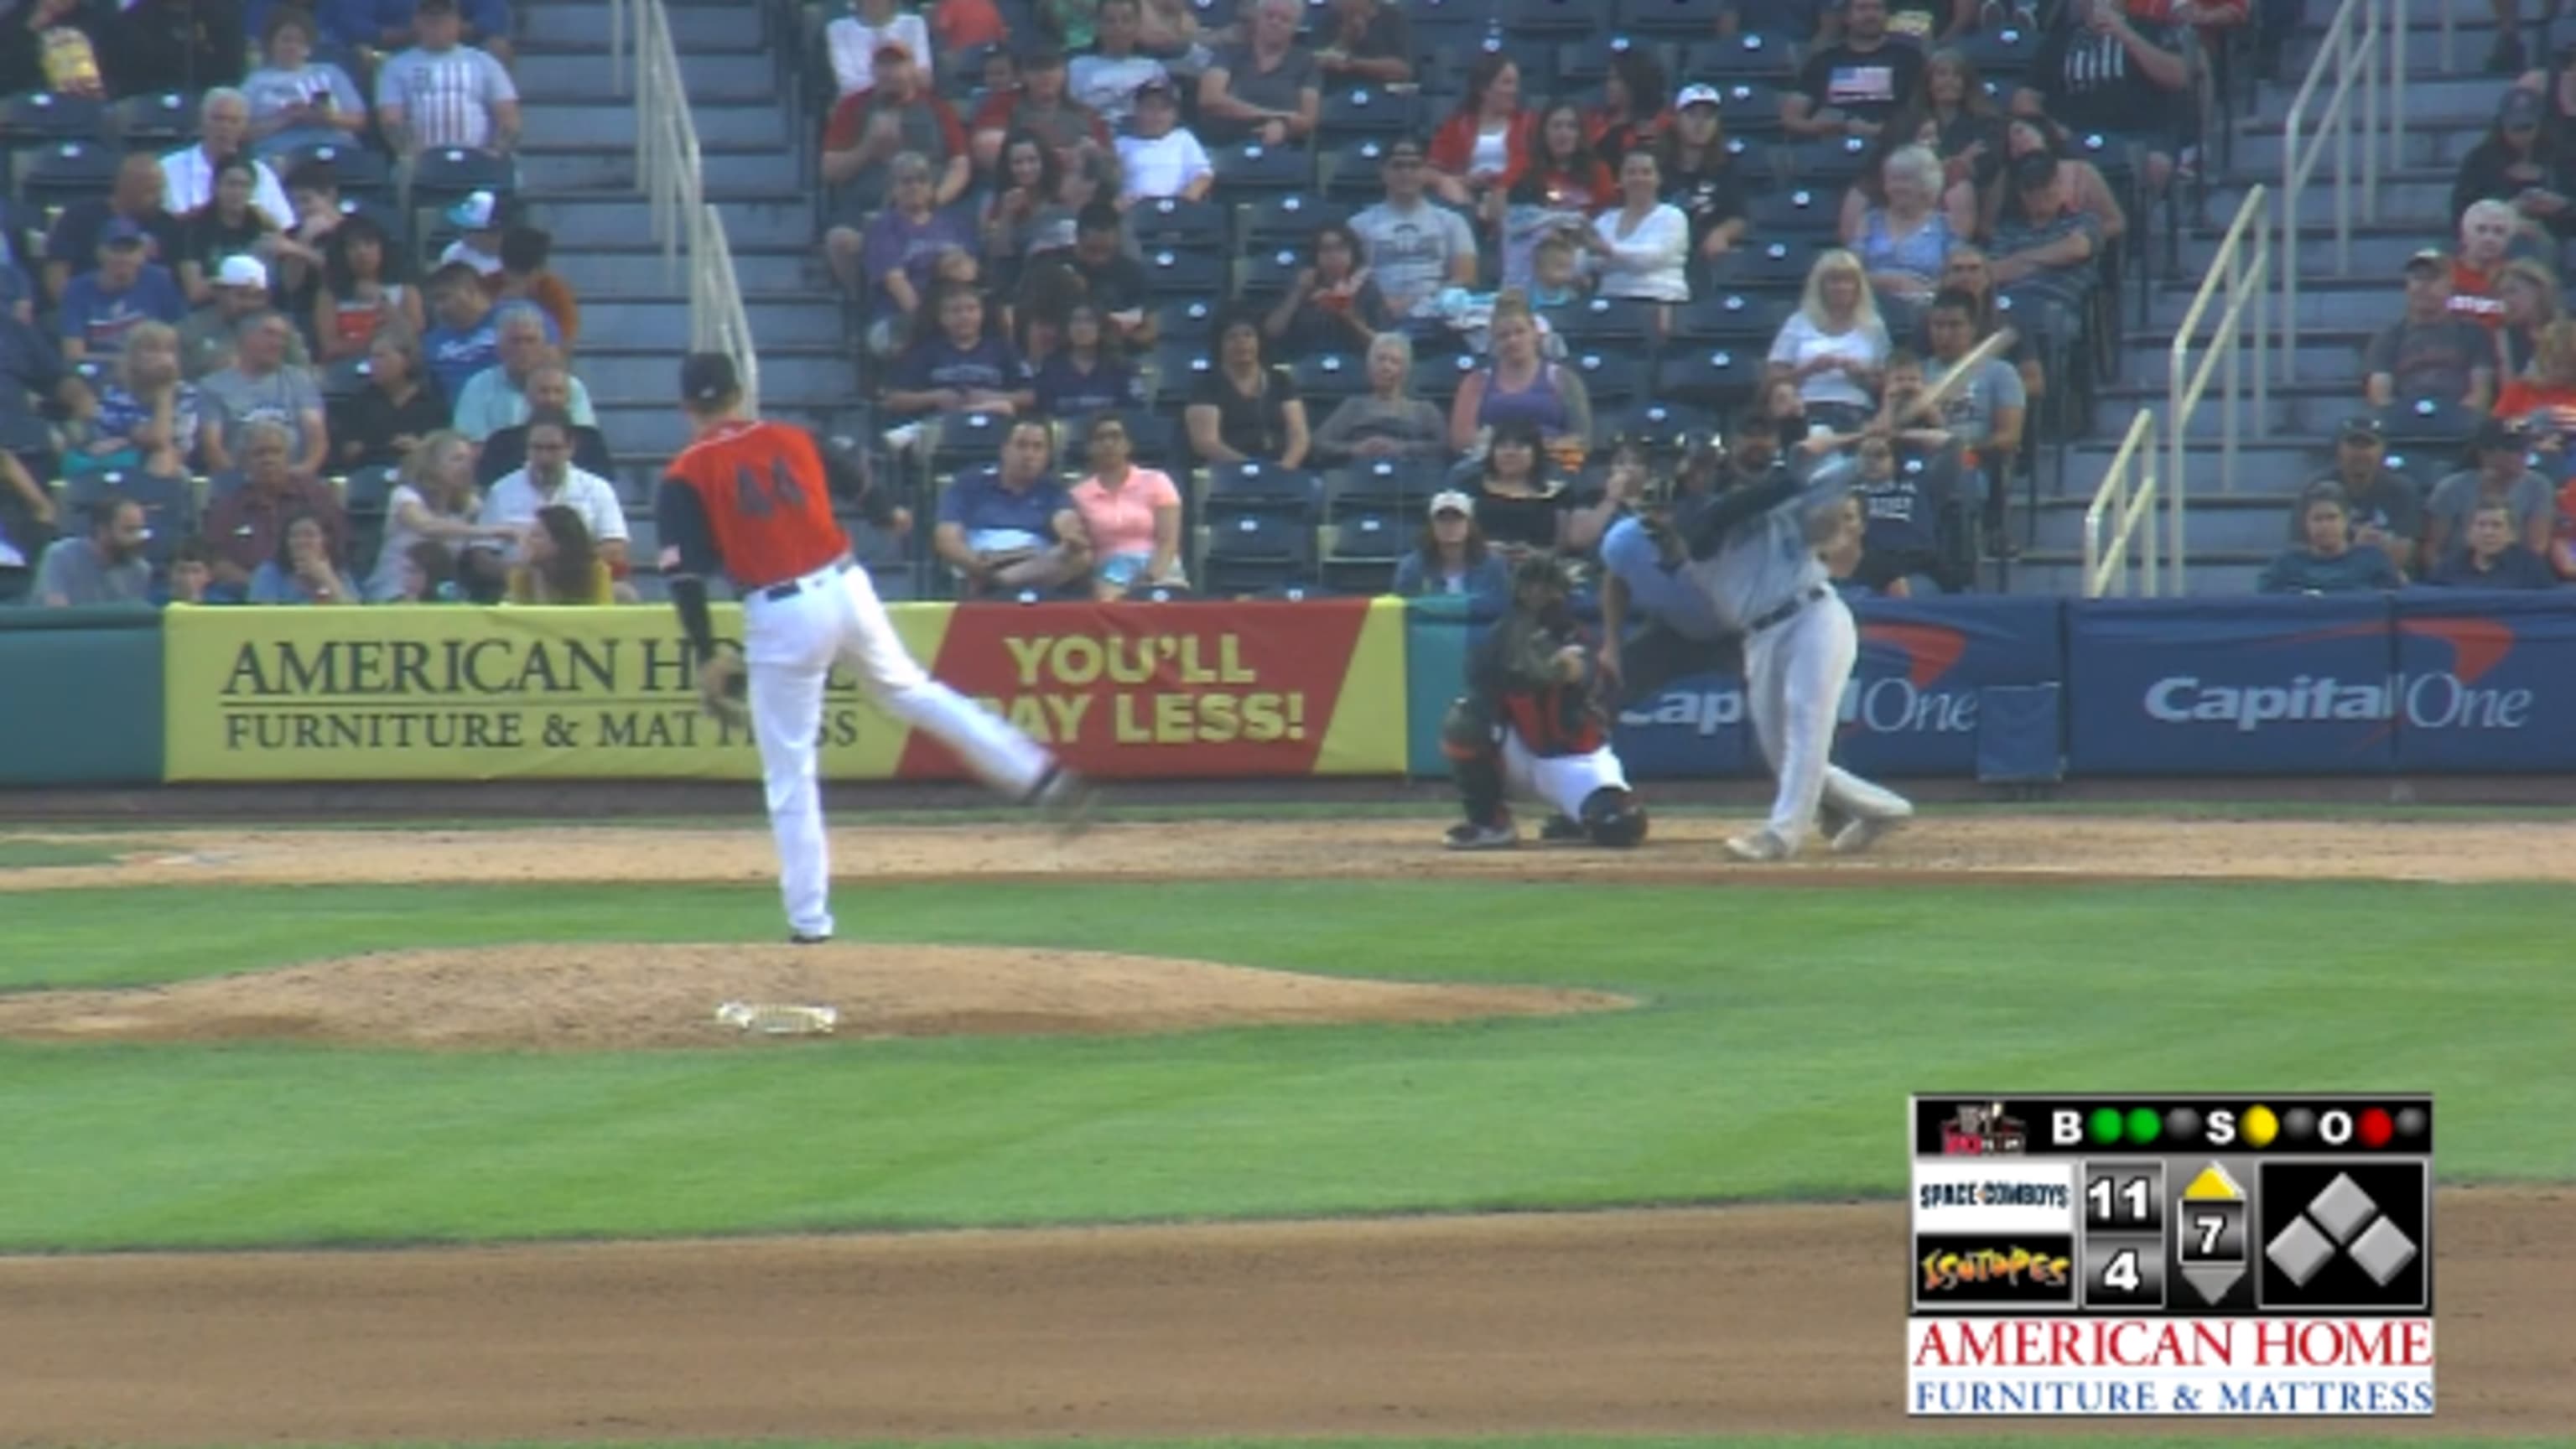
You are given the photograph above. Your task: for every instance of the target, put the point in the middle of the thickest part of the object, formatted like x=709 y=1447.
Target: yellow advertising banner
x=436 y=693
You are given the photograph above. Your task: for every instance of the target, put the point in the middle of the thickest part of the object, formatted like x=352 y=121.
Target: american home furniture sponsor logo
x=2330 y=1367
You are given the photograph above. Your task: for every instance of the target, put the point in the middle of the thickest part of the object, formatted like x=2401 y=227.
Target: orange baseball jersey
x=753 y=499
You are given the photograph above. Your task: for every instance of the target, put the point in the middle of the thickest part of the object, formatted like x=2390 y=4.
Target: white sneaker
x=1761 y=844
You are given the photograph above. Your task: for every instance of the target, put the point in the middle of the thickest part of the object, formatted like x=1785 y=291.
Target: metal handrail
x=2350 y=51
x=668 y=167
x=2106 y=568
x=2241 y=278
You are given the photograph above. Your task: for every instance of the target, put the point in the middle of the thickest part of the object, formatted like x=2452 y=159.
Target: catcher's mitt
x=1538 y=628
x=722 y=687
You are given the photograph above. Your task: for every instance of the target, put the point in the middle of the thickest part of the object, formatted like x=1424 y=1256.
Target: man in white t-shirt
x=1162 y=158
x=549 y=479
x=443 y=93
x=1107 y=80
x=1415 y=249
x=188 y=176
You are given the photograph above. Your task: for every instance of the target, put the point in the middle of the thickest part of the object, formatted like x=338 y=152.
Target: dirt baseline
x=609 y=996
x=1754 y=1320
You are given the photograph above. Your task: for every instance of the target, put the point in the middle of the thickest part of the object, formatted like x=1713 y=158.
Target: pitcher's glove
x=722 y=687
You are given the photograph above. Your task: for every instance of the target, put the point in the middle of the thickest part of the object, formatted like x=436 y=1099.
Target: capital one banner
x=1911 y=707
x=2485 y=681
x=2234 y=686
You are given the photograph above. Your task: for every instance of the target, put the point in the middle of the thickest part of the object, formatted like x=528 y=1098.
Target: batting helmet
x=1614 y=817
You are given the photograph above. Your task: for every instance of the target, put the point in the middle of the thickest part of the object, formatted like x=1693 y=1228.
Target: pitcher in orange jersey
x=752 y=500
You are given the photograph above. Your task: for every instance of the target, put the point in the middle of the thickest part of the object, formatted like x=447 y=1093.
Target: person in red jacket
x=1486 y=143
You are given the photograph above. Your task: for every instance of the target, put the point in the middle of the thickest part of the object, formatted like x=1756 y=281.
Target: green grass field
x=1780 y=1030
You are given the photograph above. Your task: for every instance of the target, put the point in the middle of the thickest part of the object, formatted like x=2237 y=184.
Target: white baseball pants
x=790 y=646
x=1794 y=673
x=1560 y=782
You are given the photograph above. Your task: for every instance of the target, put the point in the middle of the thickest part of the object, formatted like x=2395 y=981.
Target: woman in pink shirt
x=1133 y=515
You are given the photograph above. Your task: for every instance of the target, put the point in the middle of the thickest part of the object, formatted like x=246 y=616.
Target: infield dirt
x=1772 y=1319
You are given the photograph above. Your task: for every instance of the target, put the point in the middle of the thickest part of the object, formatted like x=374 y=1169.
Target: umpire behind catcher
x=1642 y=559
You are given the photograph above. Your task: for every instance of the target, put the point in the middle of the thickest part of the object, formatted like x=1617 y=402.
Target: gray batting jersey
x=1769 y=560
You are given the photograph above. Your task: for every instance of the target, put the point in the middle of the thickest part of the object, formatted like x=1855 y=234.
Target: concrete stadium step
x=743 y=77
x=2323 y=354
x=2291 y=410
x=2406 y=198
x=2336 y=304
x=779 y=319
x=807 y=374
x=2457 y=99
x=2441 y=148
x=2270 y=463
x=783 y=222
x=611 y=170
x=640 y=272
x=2244 y=524
x=2375 y=252
x=695 y=29
x=720 y=127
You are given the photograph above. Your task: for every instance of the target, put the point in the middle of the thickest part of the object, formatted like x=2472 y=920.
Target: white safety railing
x=2126 y=503
x=2237 y=276
x=2357 y=54
x=667 y=165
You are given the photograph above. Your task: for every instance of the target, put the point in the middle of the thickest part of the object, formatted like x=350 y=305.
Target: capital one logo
x=2439 y=699
x=1907 y=702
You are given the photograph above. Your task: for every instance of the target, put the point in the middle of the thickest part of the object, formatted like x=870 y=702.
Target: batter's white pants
x=1794 y=673
x=1560 y=782
x=791 y=645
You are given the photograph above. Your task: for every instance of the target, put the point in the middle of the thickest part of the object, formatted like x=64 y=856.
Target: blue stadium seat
x=965 y=441
x=1254 y=486
x=361 y=172
x=1768 y=263
x=157 y=118
x=2002 y=56
x=1263 y=277
x=1582 y=65
x=63 y=172
x=1191 y=320
x=1608 y=322
x=1180 y=362
x=1748 y=108
x=1808 y=211
x=1327 y=378
x=444 y=176
x=1394 y=484
x=1550 y=19
x=1256 y=553
x=1731 y=319
x=1353 y=112
x=1435 y=379
x=1186 y=274
x=1718 y=378
x=1248 y=168
x=344 y=379
x=1747 y=59
x=1170 y=222
x=1661 y=424
x=1289 y=220
x=44 y=116
x=1683 y=19
x=1612 y=379
x=1825 y=167
x=1354 y=175
x=366 y=490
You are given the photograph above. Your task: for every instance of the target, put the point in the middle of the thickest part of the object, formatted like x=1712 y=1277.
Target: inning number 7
x=2210 y=1228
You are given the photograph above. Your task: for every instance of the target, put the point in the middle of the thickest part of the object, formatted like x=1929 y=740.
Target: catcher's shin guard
x=1475 y=762
x=1613 y=817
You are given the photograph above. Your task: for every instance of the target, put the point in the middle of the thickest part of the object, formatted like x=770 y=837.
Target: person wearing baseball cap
x=479 y=217
x=2384 y=507
x=857 y=39
x=206 y=338
x=2433 y=363
x=2514 y=164
x=869 y=129
x=2500 y=474
x=1452 y=558
x=1699 y=173
x=1041 y=106
x=1161 y=157
x=100 y=306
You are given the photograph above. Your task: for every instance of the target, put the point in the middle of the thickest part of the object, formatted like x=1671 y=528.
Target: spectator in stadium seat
x=2087 y=191
x=389 y=25
x=71 y=247
x=1370 y=41
x=101 y=306
x=957 y=25
x=2328 y=559
x=1630 y=116
x=1524 y=506
x=872 y=25
x=188 y=175
x=1108 y=79
x=1852 y=88
x=2545 y=402
x=1387 y=421
x=528 y=275
x=1268 y=89
x=175 y=46
x=2098 y=70
x=2503 y=476
x=262 y=387
x=359 y=296
x=2486 y=239
x=387 y=419
x=2519 y=164
x=479 y=218
x=1099 y=271
x=1486 y=143
x=206 y=338
x=1416 y=250
x=295 y=100
x=464 y=337
x=56 y=47
x=497 y=397
x=1641 y=247
x=562 y=565
x=896 y=252
x=1519 y=384
x=192 y=571
x=1130 y=515
x=548 y=478
x=2045 y=256
x=2508 y=57
x=1013 y=527
x=1026 y=213
x=869 y=129
x=2528 y=292
x=103 y=566
x=245 y=523
x=549 y=391
x=959 y=367
x=1557 y=283
x=1699 y=175
x=226 y=226
x=2430 y=354
x=443 y=94
x=2384 y=507
x=148 y=412
x=1985 y=416
x=1086 y=375
x=1901 y=510
x=1453 y=558
x=304 y=569
x=1902 y=226
x=1834 y=346
x=1245 y=408
x=1333 y=306
x=2492 y=557
x=1959 y=121
x=1560 y=190
x=1041 y=107
x=1161 y=157
x=32 y=367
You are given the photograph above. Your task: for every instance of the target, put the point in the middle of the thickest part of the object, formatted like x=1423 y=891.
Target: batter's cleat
x=1760 y=844
x=1865 y=831
x=1066 y=800
x=1563 y=830
x=801 y=939
x=1468 y=835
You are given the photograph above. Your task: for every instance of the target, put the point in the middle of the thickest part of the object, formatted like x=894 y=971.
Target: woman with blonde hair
x=434 y=501
x=1519 y=384
x=1387 y=421
x=2529 y=293
x=1834 y=346
x=148 y=415
x=2545 y=400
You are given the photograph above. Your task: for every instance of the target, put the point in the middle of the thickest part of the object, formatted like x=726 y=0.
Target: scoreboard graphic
x=2174 y=1254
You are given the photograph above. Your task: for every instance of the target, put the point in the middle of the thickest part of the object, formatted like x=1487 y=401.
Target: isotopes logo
x=1908 y=702
x=2440 y=699
x=2013 y=1267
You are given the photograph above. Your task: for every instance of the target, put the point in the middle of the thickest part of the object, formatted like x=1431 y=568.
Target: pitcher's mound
x=605 y=996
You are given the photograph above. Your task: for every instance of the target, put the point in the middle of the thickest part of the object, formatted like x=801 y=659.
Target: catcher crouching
x=1531 y=727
